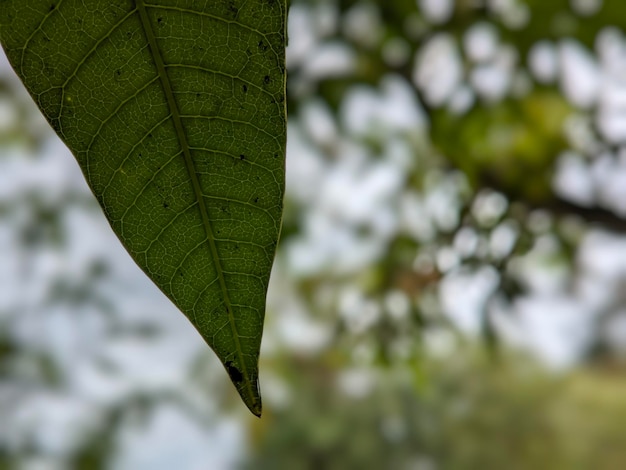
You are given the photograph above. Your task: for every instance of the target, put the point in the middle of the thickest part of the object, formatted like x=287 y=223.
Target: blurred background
x=450 y=287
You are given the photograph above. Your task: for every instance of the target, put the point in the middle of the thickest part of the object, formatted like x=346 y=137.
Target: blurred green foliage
x=466 y=415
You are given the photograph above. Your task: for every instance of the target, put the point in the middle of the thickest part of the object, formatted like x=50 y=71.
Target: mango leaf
x=175 y=111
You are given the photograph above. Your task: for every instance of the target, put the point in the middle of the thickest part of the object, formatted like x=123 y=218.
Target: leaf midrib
x=175 y=115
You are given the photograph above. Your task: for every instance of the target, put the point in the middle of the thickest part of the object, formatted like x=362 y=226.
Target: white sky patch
x=611 y=50
x=466 y=241
x=9 y=268
x=541 y=270
x=350 y=200
x=462 y=99
x=358 y=312
x=414 y=217
x=557 y=329
x=442 y=202
x=463 y=297
x=514 y=13
x=436 y=11
x=392 y=109
x=603 y=254
x=357 y=383
x=609 y=175
x=481 y=42
x=355 y=194
x=573 y=180
x=302 y=35
x=580 y=75
x=438 y=69
x=543 y=60
x=615 y=331
x=612 y=123
x=362 y=24
x=297 y=329
x=319 y=122
x=186 y=448
x=611 y=118
x=331 y=59
x=56 y=423
x=326 y=18
x=8 y=115
x=52 y=174
x=305 y=166
x=502 y=239
x=492 y=79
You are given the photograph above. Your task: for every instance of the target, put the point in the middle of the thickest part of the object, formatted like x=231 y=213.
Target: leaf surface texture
x=175 y=111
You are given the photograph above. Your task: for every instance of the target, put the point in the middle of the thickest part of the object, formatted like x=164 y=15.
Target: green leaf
x=175 y=111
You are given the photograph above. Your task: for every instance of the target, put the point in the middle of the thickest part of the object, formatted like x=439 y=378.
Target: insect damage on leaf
x=234 y=373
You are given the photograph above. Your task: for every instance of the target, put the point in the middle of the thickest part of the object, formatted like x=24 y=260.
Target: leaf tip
x=247 y=386
x=257 y=410
x=253 y=401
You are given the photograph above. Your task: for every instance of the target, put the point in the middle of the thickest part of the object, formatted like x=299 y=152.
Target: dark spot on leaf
x=256 y=199
x=234 y=373
x=118 y=72
x=165 y=205
x=266 y=79
x=52 y=7
x=150 y=136
x=262 y=46
x=245 y=88
x=242 y=157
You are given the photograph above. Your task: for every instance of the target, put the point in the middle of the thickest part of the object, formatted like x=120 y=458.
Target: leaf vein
x=189 y=163
x=130 y=152
x=165 y=227
x=236 y=158
x=224 y=74
x=217 y=18
x=233 y=121
x=115 y=111
x=35 y=31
